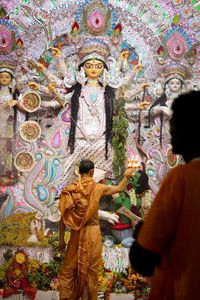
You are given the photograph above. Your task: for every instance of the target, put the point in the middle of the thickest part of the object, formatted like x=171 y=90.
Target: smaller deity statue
x=37 y=229
x=8 y=96
x=8 y=125
x=156 y=134
x=174 y=85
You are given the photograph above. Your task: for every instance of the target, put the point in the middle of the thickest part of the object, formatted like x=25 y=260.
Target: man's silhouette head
x=185 y=125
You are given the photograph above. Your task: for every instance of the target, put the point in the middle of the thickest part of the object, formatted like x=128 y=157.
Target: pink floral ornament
x=96 y=21
x=66 y=115
x=177 y=46
x=5 y=40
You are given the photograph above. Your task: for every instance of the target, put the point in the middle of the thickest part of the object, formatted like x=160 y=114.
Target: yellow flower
x=34 y=284
x=20 y=257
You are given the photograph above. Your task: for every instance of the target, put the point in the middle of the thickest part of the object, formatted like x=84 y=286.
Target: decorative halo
x=30 y=131
x=31 y=101
x=24 y=161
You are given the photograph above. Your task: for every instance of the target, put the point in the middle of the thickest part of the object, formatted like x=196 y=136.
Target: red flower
x=129 y=186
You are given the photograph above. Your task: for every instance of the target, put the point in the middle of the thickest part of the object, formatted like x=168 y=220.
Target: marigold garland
x=44 y=276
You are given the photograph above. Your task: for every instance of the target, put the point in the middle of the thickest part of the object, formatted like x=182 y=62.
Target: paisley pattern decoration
x=42 y=193
x=29 y=194
x=172 y=159
x=30 y=131
x=56 y=140
x=65 y=116
x=24 y=161
x=9 y=207
x=31 y=101
x=5 y=40
x=51 y=171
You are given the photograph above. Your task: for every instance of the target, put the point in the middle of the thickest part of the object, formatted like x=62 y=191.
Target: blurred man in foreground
x=167 y=245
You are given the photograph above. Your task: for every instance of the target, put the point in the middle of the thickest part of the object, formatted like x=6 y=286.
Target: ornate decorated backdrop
x=53 y=113
x=162 y=36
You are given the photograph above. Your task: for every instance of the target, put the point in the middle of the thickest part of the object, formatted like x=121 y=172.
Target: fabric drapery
x=79 y=210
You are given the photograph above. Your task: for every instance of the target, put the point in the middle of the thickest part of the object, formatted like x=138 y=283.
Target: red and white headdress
x=176 y=70
x=94 y=48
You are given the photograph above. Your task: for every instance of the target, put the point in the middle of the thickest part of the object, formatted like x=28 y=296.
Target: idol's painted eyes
x=7 y=76
x=96 y=66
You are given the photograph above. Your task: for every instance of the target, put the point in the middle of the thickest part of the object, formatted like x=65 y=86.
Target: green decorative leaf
x=2 y=12
x=120 y=125
x=176 y=19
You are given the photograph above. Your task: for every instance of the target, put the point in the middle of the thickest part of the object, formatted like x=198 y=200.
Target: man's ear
x=91 y=172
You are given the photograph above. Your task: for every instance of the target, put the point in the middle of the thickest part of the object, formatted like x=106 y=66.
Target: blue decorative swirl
x=10 y=204
x=42 y=193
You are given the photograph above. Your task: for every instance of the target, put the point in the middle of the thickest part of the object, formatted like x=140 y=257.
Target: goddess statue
x=84 y=126
x=174 y=85
x=8 y=117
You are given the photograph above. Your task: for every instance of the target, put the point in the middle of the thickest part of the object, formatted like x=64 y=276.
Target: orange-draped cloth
x=79 y=210
x=172 y=228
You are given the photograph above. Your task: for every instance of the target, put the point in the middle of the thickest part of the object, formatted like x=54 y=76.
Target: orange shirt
x=79 y=202
x=172 y=227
